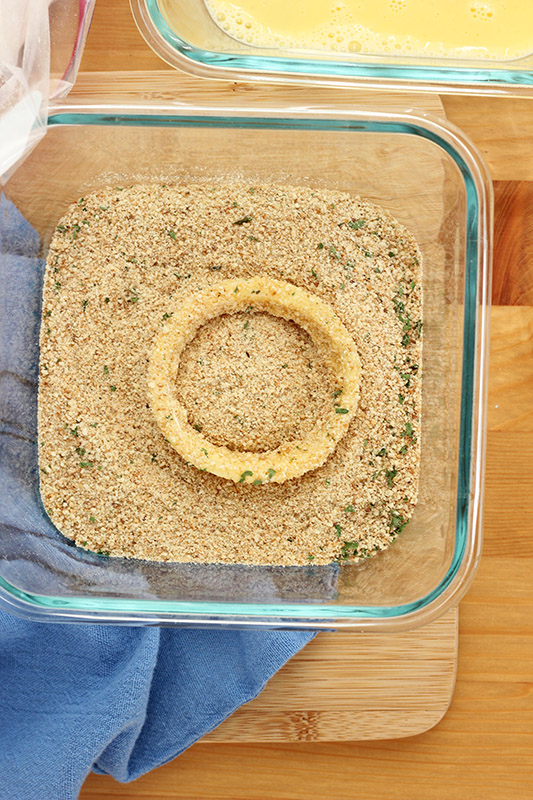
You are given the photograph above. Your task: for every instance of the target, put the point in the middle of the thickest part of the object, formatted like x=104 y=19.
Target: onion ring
x=281 y=299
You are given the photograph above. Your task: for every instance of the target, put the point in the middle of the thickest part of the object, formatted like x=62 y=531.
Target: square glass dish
x=427 y=175
x=183 y=33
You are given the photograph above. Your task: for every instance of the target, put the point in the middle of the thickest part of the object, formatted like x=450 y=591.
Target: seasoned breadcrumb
x=120 y=261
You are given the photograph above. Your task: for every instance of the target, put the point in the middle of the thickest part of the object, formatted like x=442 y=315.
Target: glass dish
x=186 y=37
x=431 y=178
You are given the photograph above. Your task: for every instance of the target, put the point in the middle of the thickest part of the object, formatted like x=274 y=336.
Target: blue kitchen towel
x=117 y=700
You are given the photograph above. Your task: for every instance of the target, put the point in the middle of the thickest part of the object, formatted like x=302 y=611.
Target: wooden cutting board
x=346 y=686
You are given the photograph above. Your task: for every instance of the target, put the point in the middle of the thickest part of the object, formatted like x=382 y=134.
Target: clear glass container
x=184 y=35
x=431 y=178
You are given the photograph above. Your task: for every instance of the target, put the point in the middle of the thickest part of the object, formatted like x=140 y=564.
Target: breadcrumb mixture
x=120 y=261
x=270 y=386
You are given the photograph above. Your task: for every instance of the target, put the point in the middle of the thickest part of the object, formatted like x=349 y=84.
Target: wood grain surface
x=483 y=747
x=404 y=686
x=513 y=279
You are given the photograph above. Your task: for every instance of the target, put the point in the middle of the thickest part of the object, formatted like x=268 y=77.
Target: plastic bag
x=41 y=42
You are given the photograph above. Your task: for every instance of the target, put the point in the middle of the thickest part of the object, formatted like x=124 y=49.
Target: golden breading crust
x=281 y=299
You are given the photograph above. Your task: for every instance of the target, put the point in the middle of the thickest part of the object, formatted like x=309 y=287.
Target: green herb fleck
x=341 y=410
x=390 y=474
x=106 y=299
x=243 y=220
x=397 y=523
x=349 y=549
x=355 y=224
x=92 y=519
x=113 y=388
x=271 y=472
x=310 y=557
x=204 y=451
x=408 y=430
x=106 y=369
x=86 y=464
x=172 y=234
x=349 y=509
x=257 y=482
x=245 y=474
x=338 y=528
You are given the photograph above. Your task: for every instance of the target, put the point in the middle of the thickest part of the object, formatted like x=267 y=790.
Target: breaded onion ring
x=282 y=299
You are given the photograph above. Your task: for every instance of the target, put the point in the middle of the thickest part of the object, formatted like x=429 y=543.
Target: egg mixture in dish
x=230 y=373
x=465 y=29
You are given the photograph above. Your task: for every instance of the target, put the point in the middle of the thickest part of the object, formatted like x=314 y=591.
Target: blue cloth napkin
x=117 y=700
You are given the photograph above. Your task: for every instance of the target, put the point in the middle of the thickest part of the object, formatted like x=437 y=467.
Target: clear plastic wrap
x=41 y=42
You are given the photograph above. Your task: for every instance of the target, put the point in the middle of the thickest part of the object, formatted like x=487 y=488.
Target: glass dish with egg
x=467 y=46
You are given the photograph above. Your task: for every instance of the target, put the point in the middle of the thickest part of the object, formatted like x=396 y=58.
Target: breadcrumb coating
x=121 y=262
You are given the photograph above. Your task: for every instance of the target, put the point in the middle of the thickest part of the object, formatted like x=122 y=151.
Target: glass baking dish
x=184 y=35
x=431 y=178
